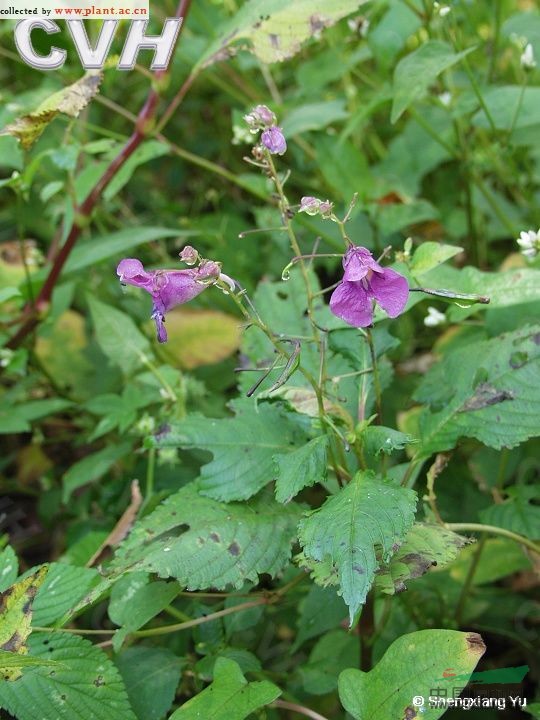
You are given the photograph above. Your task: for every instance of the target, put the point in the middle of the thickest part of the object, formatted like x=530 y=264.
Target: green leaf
x=431 y=254
x=510 y=105
x=244 y=447
x=418 y=70
x=314 y=116
x=411 y=667
x=206 y=544
x=276 y=29
x=147 y=151
x=133 y=605
x=424 y=547
x=9 y=566
x=92 y=468
x=69 y=101
x=364 y=516
x=229 y=697
x=378 y=439
x=10 y=661
x=86 y=685
x=151 y=676
x=15 y=617
x=518 y=512
x=488 y=391
x=301 y=468
x=396 y=216
x=17 y=419
x=117 y=244
x=63 y=587
x=321 y=610
x=118 y=336
x=332 y=653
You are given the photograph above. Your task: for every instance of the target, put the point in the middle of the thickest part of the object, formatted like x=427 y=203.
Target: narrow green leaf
x=92 y=468
x=118 y=336
x=415 y=73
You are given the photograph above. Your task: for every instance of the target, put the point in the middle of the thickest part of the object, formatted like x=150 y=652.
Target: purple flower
x=274 y=140
x=260 y=117
x=168 y=288
x=364 y=281
x=314 y=206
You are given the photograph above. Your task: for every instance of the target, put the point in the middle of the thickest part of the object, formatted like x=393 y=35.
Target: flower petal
x=391 y=290
x=159 y=319
x=131 y=271
x=351 y=303
x=357 y=263
x=180 y=287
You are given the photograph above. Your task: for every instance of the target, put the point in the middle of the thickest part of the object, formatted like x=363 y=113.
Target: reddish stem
x=82 y=212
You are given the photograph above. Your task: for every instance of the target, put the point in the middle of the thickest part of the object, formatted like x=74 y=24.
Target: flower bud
x=189 y=255
x=274 y=140
x=259 y=118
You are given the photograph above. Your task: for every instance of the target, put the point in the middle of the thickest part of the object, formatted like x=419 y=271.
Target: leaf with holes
x=229 y=697
x=487 y=390
x=16 y=615
x=277 y=29
x=85 y=685
x=68 y=101
x=244 y=447
x=206 y=544
x=365 y=516
x=425 y=546
x=411 y=666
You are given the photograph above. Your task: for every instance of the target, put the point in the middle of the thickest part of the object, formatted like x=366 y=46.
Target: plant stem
x=300 y=709
x=150 y=473
x=376 y=378
x=468 y=580
x=494 y=530
x=165 y=629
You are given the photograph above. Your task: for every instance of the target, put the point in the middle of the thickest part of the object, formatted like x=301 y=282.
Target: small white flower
x=442 y=9
x=434 y=317
x=529 y=242
x=445 y=99
x=527 y=57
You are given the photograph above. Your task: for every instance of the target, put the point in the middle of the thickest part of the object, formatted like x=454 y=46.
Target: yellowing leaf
x=69 y=101
x=15 y=617
x=201 y=337
x=276 y=29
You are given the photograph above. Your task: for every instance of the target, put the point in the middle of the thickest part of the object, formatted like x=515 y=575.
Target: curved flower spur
x=170 y=288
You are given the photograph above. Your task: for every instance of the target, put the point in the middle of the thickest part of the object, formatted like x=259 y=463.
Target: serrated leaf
x=488 y=391
x=244 y=447
x=415 y=73
x=63 y=587
x=151 y=676
x=424 y=547
x=10 y=661
x=412 y=666
x=206 y=544
x=301 y=468
x=277 y=29
x=378 y=439
x=118 y=336
x=86 y=685
x=16 y=615
x=229 y=697
x=69 y=101
x=364 y=516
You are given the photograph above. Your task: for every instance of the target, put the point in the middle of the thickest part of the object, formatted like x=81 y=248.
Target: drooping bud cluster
x=272 y=138
x=313 y=206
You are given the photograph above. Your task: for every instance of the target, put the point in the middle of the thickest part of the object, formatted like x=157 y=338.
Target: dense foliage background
x=335 y=543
